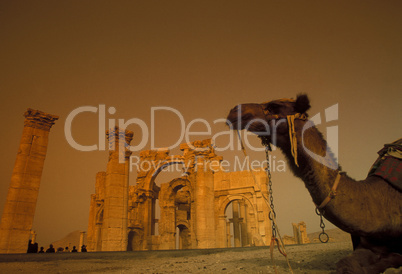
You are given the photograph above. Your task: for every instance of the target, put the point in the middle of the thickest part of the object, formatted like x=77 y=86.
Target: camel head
x=261 y=118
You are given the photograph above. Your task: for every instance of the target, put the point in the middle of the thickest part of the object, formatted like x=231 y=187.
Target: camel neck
x=316 y=165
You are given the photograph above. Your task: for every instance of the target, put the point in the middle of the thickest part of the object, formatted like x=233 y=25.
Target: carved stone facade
x=19 y=210
x=204 y=208
x=299 y=235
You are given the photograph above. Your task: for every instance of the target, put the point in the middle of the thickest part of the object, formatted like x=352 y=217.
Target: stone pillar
x=19 y=210
x=303 y=233
x=91 y=224
x=95 y=214
x=296 y=233
x=221 y=236
x=204 y=205
x=228 y=235
x=236 y=224
x=115 y=214
x=243 y=224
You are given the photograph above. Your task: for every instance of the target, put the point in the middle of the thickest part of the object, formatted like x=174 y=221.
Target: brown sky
x=201 y=58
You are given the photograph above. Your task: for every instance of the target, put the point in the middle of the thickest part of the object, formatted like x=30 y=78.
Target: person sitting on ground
x=74 y=249
x=41 y=250
x=50 y=249
x=66 y=249
x=83 y=248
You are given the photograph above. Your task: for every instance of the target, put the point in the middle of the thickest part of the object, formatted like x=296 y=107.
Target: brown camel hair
x=370 y=210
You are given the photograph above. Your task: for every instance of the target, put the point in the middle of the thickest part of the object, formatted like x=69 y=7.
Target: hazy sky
x=200 y=58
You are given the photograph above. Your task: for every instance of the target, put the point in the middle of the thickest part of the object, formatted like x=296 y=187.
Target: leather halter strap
x=332 y=193
x=270 y=116
x=291 y=124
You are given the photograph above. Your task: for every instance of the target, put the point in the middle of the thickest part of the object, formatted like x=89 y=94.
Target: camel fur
x=370 y=209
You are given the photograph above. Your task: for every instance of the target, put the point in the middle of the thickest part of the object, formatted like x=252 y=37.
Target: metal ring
x=325 y=240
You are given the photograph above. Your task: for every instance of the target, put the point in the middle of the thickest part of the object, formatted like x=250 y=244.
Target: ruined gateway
x=192 y=207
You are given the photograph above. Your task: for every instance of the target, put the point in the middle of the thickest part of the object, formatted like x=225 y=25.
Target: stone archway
x=184 y=237
x=175 y=204
x=135 y=240
x=147 y=193
x=242 y=225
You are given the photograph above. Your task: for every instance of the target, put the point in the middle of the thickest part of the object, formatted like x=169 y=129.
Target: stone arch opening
x=157 y=198
x=238 y=216
x=236 y=221
x=135 y=241
x=183 y=237
x=175 y=201
x=160 y=167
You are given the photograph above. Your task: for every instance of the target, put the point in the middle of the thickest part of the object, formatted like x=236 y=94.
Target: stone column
x=19 y=210
x=204 y=205
x=243 y=224
x=236 y=223
x=228 y=235
x=296 y=233
x=115 y=214
x=95 y=214
x=303 y=233
x=91 y=225
x=221 y=236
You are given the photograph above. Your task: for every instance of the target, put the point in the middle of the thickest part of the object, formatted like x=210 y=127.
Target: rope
x=292 y=136
x=271 y=213
x=292 y=133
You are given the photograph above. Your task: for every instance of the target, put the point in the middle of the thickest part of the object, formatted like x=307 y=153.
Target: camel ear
x=302 y=103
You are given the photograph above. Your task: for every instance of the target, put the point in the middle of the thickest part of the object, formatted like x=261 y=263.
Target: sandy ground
x=310 y=258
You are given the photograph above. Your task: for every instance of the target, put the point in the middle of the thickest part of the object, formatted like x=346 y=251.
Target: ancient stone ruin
x=204 y=208
x=19 y=210
x=299 y=235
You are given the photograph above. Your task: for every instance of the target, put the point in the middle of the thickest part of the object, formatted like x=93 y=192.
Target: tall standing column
x=19 y=210
x=204 y=207
x=115 y=213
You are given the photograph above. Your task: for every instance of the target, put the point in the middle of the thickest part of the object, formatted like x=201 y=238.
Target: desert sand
x=309 y=258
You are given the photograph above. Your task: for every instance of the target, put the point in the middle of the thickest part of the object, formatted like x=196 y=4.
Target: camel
x=370 y=209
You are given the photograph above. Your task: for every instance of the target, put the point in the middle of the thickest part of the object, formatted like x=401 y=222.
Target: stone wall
x=194 y=208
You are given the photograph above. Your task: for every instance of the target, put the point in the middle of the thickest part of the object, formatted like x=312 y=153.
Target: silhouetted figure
x=30 y=247
x=83 y=248
x=41 y=250
x=74 y=249
x=50 y=249
x=35 y=248
x=60 y=249
x=66 y=249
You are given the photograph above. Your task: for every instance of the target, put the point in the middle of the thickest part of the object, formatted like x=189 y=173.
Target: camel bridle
x=291 y=124
x=293 y=143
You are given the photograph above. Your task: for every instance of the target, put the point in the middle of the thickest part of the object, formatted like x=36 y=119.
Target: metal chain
x=272 y=214
x=324 y=238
